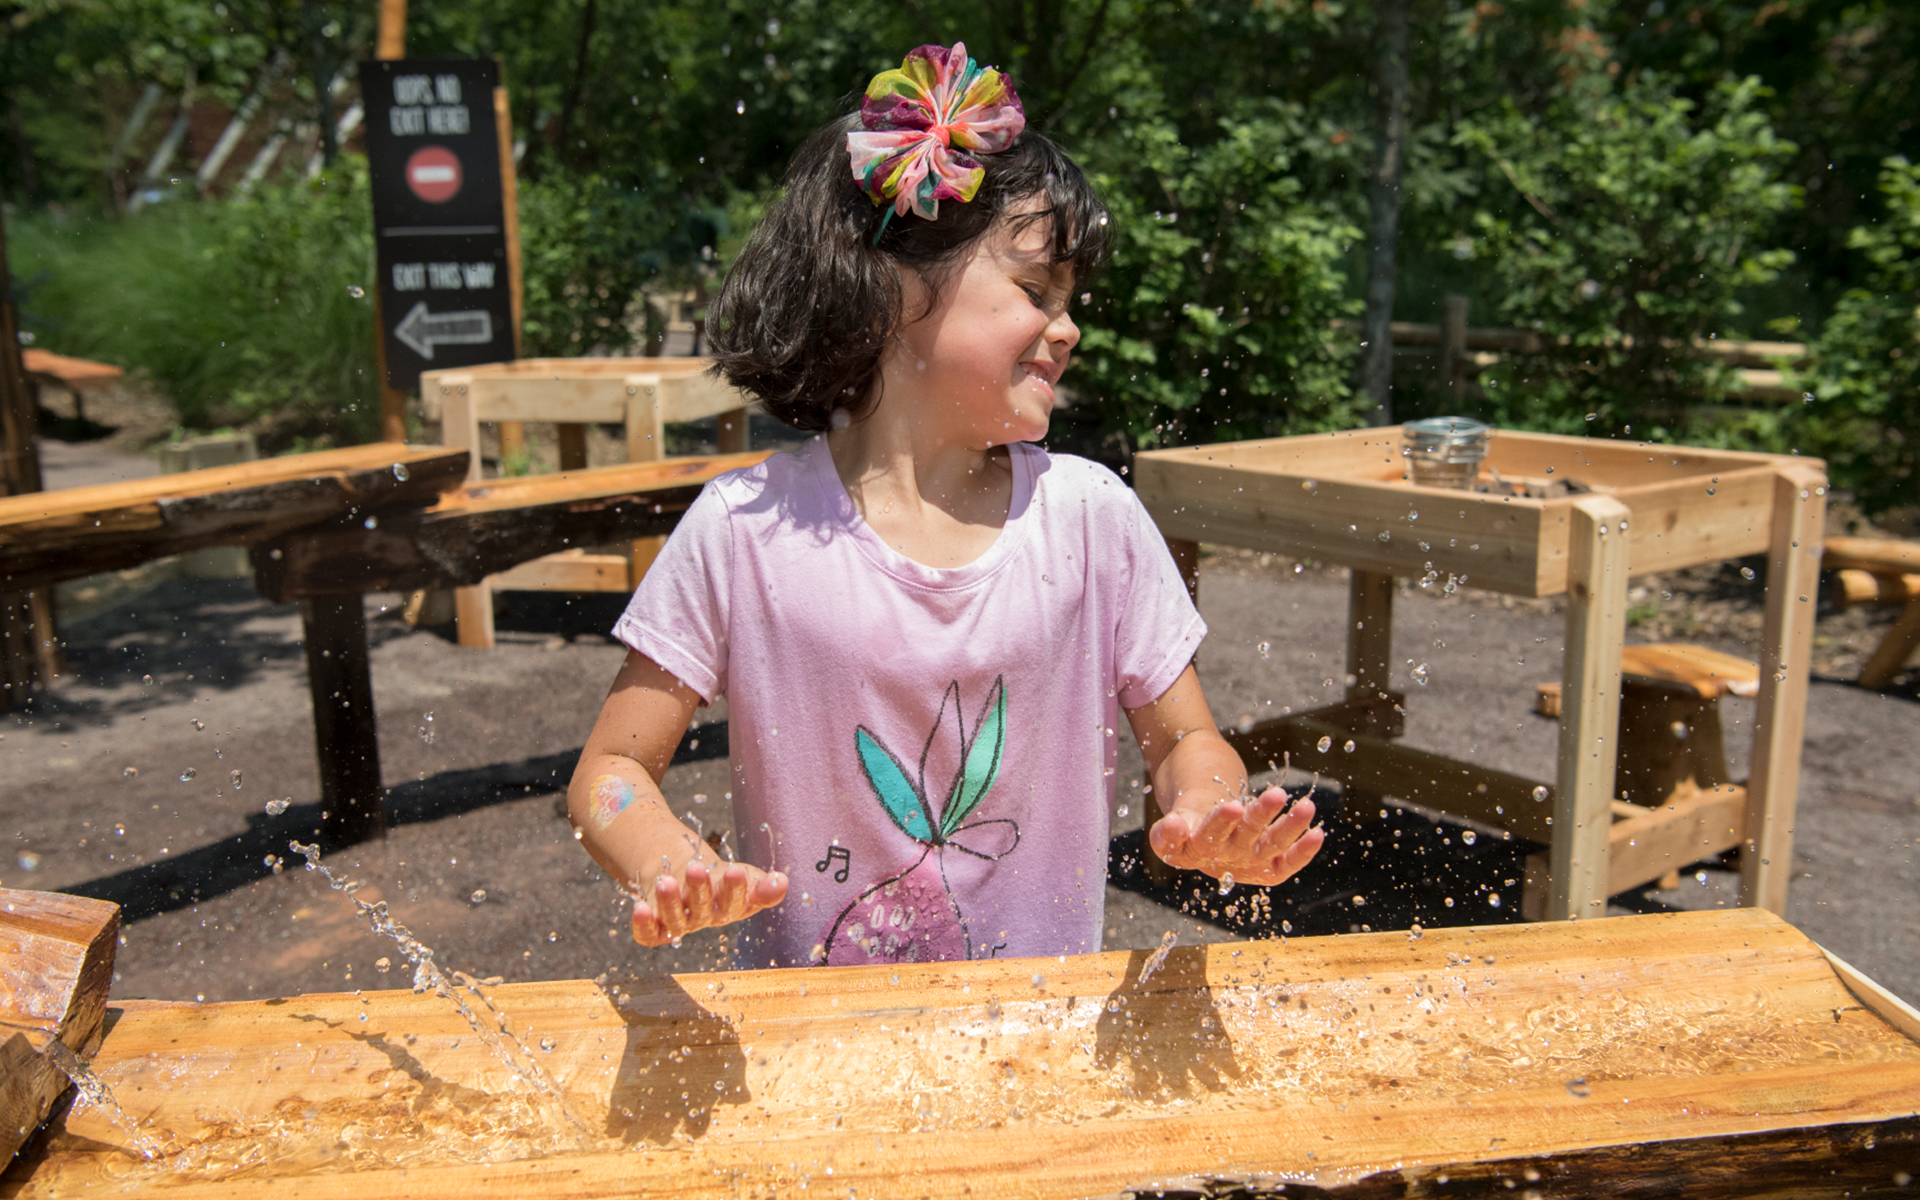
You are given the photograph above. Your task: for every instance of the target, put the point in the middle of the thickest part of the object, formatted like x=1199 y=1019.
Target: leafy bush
x=1211 y=323
x=1864 y=369
x=1627 y=225
x=253 y=309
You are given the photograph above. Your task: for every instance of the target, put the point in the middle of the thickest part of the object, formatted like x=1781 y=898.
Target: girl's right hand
x=678 y=905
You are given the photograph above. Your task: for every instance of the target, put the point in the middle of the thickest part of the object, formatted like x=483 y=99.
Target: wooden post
x=353 y=808
x=646 y=442
x=730 y=432
x=57 y=965
x=392 y=44
x=1369 y=634
x=29 y=640
x=1590 y=708
x=513 y=434
x=1894 y=649
x=1453 y=344
x=1786 y=643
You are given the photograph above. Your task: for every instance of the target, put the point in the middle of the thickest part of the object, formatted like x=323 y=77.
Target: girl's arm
x=1211 y=823
x=678 y=883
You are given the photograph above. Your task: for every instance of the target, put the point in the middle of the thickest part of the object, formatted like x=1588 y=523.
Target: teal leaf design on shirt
x=890 y=783
x=982 y=764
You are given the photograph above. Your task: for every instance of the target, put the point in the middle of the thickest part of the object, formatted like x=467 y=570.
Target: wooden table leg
x=731 y=435
x=1370 y=666
x=1894 y=649
x=573 y=446
x=1786 y=643
x=353 y=807
x=1590 y=708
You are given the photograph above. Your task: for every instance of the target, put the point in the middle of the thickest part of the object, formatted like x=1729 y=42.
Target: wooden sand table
x=1699 y=1054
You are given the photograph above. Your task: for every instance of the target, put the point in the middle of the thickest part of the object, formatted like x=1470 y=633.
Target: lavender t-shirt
x=928 y=753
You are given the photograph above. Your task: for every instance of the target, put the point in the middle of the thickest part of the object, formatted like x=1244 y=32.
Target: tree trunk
x=1383 y=216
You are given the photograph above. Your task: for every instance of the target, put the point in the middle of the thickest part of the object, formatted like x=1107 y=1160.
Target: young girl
x=923 y=624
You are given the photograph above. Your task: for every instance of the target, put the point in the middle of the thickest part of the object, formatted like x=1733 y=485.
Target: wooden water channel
x=1696 y=1054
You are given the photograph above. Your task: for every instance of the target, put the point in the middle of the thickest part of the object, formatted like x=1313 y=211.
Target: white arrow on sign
x=422 y=330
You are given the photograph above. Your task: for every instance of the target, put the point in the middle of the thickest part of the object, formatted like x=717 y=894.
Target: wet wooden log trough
x=1697 y=1054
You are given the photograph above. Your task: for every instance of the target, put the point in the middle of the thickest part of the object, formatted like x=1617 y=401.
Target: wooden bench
x=641 y=394
x=1675 y=800
x=1876 y=571
x=77 y=375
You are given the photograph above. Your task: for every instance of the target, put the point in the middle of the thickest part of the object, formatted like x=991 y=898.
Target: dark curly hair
x=806 y=310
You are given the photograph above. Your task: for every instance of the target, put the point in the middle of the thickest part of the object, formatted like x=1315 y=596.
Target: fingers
x=673 y=908
x=1263 y=841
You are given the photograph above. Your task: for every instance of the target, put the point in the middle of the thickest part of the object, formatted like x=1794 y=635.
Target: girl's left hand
x=1244 y=840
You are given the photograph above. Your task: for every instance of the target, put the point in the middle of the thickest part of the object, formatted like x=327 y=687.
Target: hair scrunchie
x=921 y=121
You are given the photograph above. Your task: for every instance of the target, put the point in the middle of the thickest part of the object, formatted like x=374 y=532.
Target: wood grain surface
x=46 y=537
x=1566 y=1059
x=56 y=961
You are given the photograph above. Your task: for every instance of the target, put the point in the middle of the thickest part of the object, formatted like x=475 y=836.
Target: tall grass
x=239 y=312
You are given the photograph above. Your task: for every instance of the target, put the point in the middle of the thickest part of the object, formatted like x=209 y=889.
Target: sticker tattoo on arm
x=610 y=797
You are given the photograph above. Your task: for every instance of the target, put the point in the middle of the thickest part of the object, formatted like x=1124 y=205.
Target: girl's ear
x=916 y=295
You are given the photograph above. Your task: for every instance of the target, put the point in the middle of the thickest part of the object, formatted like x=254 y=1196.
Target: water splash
x=493 y=1029
x=98 y=1094
x=1158 y=958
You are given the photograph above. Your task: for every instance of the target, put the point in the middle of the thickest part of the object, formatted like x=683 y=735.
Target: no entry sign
x=439 y=221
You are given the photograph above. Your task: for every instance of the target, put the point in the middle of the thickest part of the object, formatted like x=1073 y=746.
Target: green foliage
x=1211 y=322
x=1864 y=369
x=236 y=311
x=1629 y=222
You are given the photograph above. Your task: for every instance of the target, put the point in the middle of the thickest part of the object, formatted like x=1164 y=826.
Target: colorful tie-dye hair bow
x=921 y=120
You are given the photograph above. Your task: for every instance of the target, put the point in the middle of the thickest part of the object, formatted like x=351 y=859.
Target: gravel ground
x=144 y=777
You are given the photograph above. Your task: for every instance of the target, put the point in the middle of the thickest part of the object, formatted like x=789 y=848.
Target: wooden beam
x=50 y=536
x=1786 y=646
x=1690 y=1054
x=1598 y=545
x=567 y=571
x=1891 y=655
x=56 y=964
x=352 y=802
x=487 y=527
x=1871 y=554
x=1369 y=634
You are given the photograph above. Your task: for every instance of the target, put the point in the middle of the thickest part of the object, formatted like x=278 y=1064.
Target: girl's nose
x=1063 y=331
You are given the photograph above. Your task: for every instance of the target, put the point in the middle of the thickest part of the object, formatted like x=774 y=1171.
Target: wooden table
x=1636 y=508
x=1696 y=1054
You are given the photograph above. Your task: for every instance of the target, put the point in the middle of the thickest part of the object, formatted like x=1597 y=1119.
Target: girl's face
x=985 y=360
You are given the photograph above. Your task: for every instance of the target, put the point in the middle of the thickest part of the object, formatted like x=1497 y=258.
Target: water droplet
x=1226 y=882
x=29 y=861
x=1579 y=1087
x=233 y=777
x=356 y=291
x=1593 y=416
x=1469 y=837
x=383 y=964
x=1709 y=491
x=1265 y=649
x=1386 y=535
x=129 y=772
x=740 y=106
x=147 y=679
x=1746 y=572
x=676 y=943
x=400 y=472
x=372 y=522
x=699 y=797
x=276 y=807
x=1325 y=743
x=1540 y=794
x=1449 y=902
x=1359 y=901
x=1420 y=674
x=197 y=724
x=1349 y=746
x=1493 y=899
x=1122 y=811
x=1700 y=877
x=1039 y=980
x=547 y=1044
x=1416 y=933
x=187 y=775
x=479 y=896
x=1286 y=927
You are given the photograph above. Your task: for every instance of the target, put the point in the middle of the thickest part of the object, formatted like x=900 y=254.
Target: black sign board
x=439 y=221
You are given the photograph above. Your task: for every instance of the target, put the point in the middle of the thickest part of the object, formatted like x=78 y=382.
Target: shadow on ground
x=225 y=866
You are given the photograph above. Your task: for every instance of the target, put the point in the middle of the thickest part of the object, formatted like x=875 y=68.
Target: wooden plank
x=1856 y=586
x=74 y=374
x=1786 y=646
x=567 y=571
x=1887 y=1006
x=1590 y=708
x=50 y=536
x=56 y=962
x=352 y=802
x=484 y=528
x=1891 y=655
x=1476 y=1054
x=1872 y=554
x=1696 y=825
x=1706 y=673
x=585 y=390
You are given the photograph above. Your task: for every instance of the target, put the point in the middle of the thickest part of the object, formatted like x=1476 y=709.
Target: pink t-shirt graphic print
x=928 y=753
